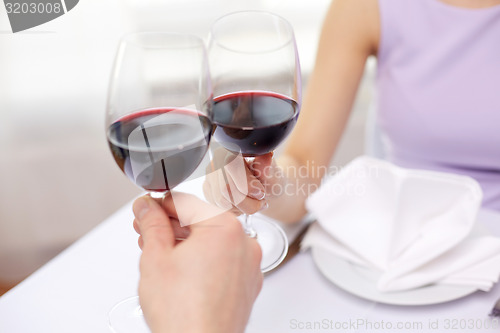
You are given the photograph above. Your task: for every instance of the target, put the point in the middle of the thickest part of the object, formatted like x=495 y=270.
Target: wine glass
x=256 y=79
x=158 y=122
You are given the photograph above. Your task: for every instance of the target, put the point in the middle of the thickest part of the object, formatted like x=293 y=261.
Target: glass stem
x=247 y=226
x=157 y=195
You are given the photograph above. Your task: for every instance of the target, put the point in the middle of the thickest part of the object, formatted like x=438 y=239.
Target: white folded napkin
x=414 y=226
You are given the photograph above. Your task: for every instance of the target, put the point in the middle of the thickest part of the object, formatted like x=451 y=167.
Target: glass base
x=127 y=316
x=273 y=242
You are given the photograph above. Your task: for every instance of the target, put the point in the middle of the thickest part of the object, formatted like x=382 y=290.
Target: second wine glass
x=256 y=79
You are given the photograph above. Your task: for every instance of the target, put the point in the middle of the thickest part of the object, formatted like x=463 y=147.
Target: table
x=75 y=291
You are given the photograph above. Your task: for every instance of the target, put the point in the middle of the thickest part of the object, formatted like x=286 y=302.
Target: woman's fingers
x=251 y=206
x=233 y=184
x=265 y=169
x=243 y=179
x=226 y=194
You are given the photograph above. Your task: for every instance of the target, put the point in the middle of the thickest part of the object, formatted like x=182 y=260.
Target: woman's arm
x=350 y=34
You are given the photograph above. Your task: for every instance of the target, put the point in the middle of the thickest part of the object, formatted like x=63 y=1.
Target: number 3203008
x=32 y=8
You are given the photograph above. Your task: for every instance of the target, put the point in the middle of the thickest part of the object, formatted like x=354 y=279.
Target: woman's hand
x=350 y=34
x=206 y=283
x=241 y=186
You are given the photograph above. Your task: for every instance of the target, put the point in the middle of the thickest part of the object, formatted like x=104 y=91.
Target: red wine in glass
x=161 y=147
x=253 y=122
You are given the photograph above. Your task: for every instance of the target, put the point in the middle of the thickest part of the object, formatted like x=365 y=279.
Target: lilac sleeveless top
x=438 y=89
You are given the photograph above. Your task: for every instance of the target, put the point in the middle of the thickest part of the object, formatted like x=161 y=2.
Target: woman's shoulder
x=357 y=20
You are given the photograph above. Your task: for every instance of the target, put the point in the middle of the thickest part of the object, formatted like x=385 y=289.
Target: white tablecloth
x=74 y=292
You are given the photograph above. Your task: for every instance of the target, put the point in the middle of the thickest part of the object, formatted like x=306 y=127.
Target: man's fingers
x=140 y=241
x=154 y=225
x=180 y=232
x=136 y=227
x=190 y=210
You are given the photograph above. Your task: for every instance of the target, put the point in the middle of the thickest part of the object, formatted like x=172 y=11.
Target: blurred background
x=57 y=177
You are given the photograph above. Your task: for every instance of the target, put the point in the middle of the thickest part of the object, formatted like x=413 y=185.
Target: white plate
x=361 y=282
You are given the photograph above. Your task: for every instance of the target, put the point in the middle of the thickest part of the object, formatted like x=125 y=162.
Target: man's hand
x=206 y=283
